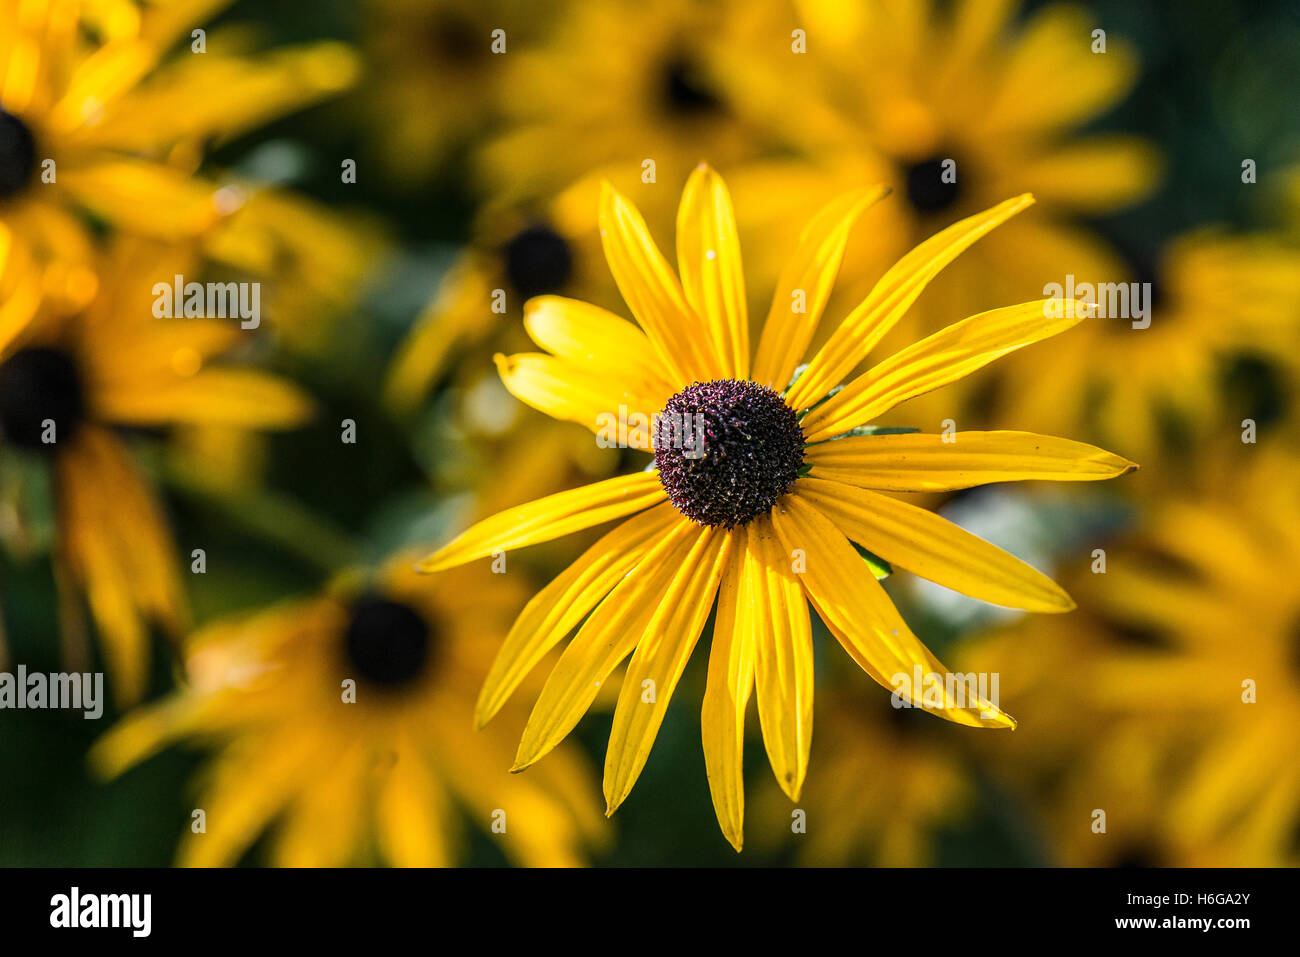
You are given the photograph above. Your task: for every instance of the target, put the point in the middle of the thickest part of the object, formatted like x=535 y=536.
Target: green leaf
x=879 y=567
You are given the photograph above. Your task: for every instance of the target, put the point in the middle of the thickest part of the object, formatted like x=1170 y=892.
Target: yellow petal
x=243 y=397
x=658 y=663
x=607 y=637
x=597 y=340
x=409 y=813
x=1094 y=175
x=143 y=197
x=929 y=545
x=948 y=355
x=567 y=600
x=550 y=518
x=784 y=659
x=860 y=615
x=726 y=693
x=602 y=402
x=653 y=293
x=805 y=285
x=890 y=298
x=708 y=258
x=917 y=462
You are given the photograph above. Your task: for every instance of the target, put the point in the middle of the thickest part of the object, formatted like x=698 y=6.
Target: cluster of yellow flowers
x=896 y=174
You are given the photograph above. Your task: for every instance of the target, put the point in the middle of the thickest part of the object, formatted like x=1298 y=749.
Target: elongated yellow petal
x=409 y=812
x=805 y=286
x=860 y=615
x=658 y=663
x=597 y=340
x=917 y=462
x=890 y=298
x=784 y=660
x=708 y=259
x=726 y=693
x=600 y=401
x=929 y=545
x=653 y=293
x=948 y=355
x=607 y=637
x=562 y=604
x=550 y=518
x=242 y=397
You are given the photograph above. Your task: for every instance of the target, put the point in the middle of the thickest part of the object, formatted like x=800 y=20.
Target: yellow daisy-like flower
x=105 y=126
x=69 y=382
x=339 y=723
x=750 y=501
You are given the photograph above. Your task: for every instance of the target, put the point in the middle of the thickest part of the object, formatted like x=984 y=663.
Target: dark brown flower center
x=538 y=261
x=388 y=644
x=930 y=187
x=727 y=450
x=685 y=92
x=17 y=155
x=38 y=387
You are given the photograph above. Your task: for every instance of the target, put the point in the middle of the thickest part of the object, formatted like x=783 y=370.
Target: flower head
x=765 y=519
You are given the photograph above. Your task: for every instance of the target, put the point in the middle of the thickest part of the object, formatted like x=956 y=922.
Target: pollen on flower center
x=727 y=450
x=387 y=643
x=40 y=386
x=538 y=260
x=17 y=155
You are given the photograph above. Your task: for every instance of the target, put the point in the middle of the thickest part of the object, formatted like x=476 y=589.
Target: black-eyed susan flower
x=72 y=383
x=955 y=106
x=339 y=726
x=95 y=118
x=765 y=475
x=1165 y=335
x=638 y=86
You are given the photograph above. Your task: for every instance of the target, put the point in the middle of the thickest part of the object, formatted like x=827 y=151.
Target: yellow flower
x=438 y=75
x=751 y=502
x=107 y=127
x=955 y=108
x=339 y=724
x=69 y=381
x=633 y=83
x=1212 y=297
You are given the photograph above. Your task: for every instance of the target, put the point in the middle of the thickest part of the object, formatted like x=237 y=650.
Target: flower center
x=928 y=189
x=17 y=155
x=684 y=92
x=455 y=39
x=727 y=450
x=538 y=261
x=40 y=385
x=387 y=643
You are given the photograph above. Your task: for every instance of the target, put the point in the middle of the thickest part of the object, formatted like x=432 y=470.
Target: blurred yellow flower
x=762 y=517
x=1213 y=296
x=437 y=72
x=340 y=725
x=70 y=380
x=94 y=119
x=955 y=106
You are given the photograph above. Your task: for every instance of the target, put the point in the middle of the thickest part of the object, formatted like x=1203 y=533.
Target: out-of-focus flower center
x=386 y=643
x=454 y=39
x=930 y=187
x=538 y=261
x=38 y=387
x=17 y=155
x=684 y=91
x=727 y=450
